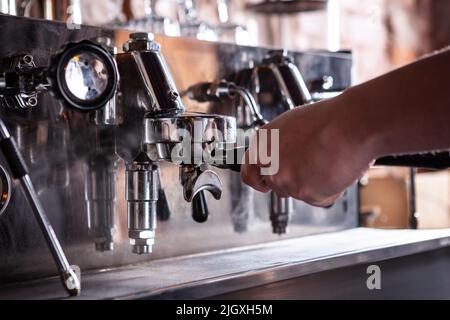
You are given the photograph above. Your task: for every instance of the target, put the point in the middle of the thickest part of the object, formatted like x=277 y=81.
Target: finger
x=325 y=202
x=250 y=175
x=260 y=150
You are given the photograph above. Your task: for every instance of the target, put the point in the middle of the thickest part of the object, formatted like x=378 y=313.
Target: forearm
x=404 y=111
x=325 y=147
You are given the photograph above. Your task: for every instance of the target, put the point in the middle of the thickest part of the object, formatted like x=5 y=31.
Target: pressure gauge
x=84 y=75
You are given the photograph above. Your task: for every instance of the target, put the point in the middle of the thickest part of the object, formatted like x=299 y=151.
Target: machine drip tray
x=223 y=273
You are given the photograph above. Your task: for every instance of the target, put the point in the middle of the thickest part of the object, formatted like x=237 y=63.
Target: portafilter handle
x=430 y=161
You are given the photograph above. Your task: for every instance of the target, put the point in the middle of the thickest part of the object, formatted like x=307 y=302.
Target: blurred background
x=382 y=35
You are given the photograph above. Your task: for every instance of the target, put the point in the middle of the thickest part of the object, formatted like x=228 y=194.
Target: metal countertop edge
x=233 y=282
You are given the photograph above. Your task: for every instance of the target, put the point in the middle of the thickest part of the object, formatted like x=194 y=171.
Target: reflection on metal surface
x=101 y=201
x=224 y=91
x=291 y=84
x=19 y=170
x=5 y=189
x=17 y=87
x=289 y=78
x=183 y=138
x=154 y=75
x=86 y=76
x=142 y=196
x=60 y=142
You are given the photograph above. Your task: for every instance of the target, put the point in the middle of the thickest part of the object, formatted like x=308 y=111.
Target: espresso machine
x=107 y=134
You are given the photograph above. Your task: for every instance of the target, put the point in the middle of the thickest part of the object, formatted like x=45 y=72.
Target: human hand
x=321 y=153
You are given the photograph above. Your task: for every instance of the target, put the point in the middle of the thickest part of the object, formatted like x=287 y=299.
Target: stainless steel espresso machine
x=115 y=179
x=92 y=119
x=107 y=183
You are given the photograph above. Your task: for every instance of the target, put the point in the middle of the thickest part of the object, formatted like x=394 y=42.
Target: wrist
x=355 y=122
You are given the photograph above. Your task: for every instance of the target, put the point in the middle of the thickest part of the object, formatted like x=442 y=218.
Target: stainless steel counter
x=224 y=272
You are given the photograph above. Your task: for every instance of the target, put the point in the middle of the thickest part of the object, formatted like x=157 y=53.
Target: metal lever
x=69 y=278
